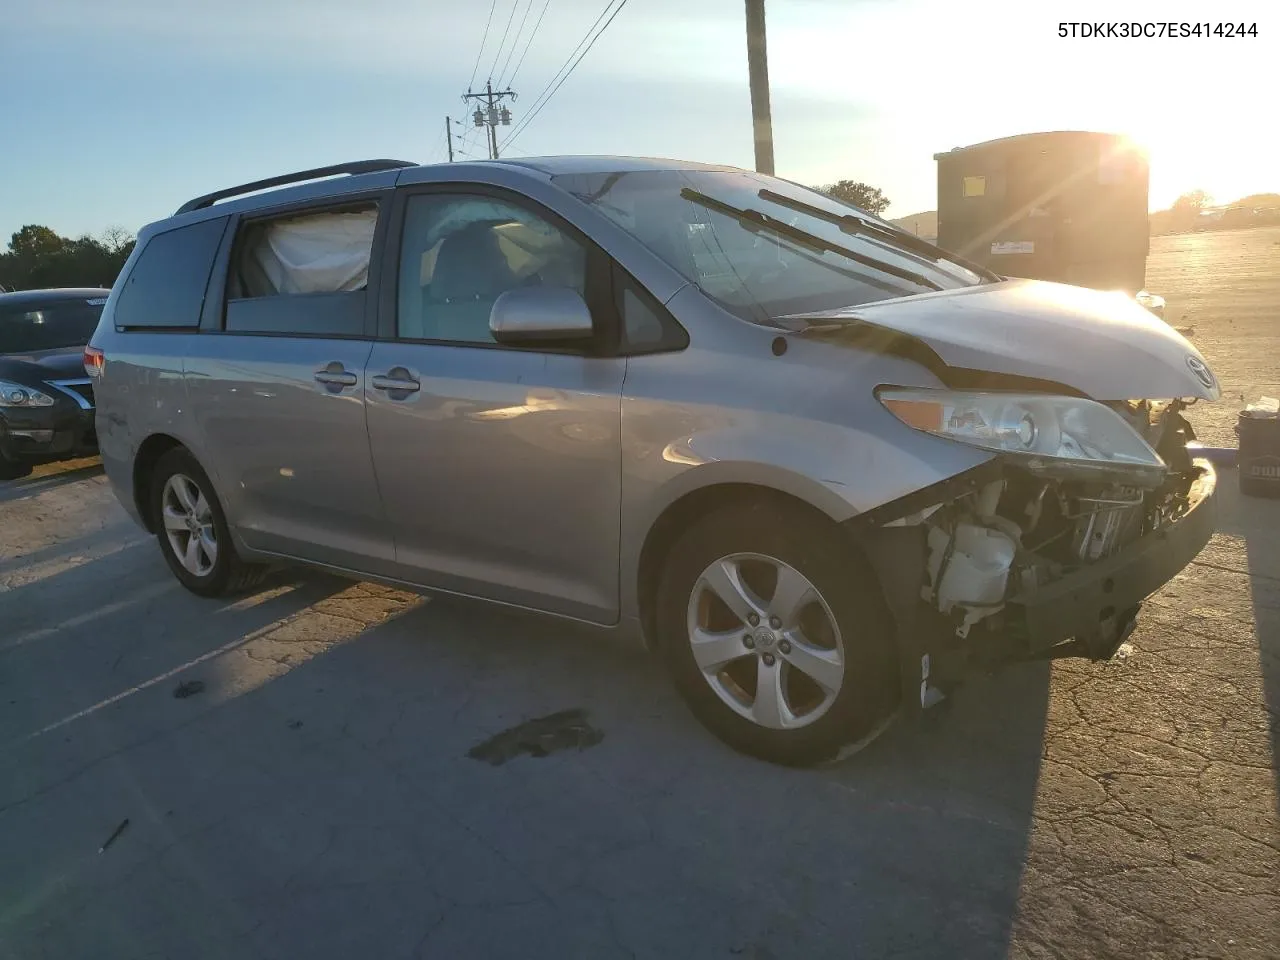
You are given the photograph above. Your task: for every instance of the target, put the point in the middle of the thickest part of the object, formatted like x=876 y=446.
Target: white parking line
x=159 y=678
x=155 y=590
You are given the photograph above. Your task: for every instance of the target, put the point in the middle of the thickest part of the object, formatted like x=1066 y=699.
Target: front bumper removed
x=1086 y=613
x=1094 y=606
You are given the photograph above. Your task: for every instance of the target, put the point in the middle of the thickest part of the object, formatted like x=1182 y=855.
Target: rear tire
x=822 y=643
x=192 y=531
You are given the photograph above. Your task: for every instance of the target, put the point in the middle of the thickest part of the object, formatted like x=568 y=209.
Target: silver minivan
x=819 y=466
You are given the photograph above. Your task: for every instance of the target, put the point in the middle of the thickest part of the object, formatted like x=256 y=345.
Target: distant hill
x=1258 y=200
x=923 y=225
x=1257 y=209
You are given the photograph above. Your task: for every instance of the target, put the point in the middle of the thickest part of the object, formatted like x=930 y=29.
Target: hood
x=65 y=363
x=1104 y=345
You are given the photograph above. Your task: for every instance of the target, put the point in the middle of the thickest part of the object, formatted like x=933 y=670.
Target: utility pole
x=448 y=136
x=492 y=114
x=758 y=71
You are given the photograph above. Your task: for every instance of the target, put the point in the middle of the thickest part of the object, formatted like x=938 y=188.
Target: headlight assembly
x=1048 y=433
x=17 y=395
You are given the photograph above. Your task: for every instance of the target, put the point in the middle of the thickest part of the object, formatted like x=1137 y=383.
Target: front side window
x=459 y=253
x=53 y=327
x=764 y=248
x=302 y=273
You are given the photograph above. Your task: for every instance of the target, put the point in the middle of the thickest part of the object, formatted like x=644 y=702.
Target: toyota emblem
x=1201 y=370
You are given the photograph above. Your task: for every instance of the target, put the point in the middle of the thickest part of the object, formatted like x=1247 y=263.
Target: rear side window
x=52 y=327
x=167 y=284
x=303 y=274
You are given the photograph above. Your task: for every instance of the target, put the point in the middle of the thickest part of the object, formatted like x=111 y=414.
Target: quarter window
x=459 y=253
x=647 y=327
x=166 y=285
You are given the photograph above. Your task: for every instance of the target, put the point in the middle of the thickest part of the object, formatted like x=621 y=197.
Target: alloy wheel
x=765 y=640
x=188 y=525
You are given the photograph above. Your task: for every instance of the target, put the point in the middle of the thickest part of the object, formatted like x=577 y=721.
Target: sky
x=117 y=111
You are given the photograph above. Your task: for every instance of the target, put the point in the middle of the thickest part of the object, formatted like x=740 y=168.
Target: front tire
x=776 y=633
x=192 y=531
x=13 y=469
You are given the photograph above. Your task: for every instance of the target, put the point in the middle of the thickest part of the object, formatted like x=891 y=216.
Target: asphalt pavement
x=336 y=769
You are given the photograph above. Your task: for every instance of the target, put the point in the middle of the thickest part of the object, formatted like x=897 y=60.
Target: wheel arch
x=144 y=464
x=698 y=501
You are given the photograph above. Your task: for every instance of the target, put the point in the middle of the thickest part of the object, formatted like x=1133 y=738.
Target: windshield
x=749 y=242
x=53 y=327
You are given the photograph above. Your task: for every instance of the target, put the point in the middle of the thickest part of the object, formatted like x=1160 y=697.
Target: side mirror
x=539 y=315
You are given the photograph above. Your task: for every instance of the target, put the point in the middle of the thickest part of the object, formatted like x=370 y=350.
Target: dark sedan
x=46 y=400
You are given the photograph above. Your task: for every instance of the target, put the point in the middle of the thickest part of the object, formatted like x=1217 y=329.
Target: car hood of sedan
x=1104 y=345
x=63 y=364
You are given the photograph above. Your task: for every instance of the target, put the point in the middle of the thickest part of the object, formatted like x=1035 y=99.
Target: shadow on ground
x=1254 y=521
x=316 y=798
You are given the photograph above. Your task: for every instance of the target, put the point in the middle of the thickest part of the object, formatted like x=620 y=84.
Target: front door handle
x=336 y=379
x=398 y=380
x=333 y=375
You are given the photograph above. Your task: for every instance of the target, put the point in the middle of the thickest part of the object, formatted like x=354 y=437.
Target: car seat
x=470 y=273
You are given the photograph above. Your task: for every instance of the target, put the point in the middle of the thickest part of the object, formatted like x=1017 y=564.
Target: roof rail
x=354 y=167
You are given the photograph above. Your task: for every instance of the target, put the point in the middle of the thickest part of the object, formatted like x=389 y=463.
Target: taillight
x=94 y=361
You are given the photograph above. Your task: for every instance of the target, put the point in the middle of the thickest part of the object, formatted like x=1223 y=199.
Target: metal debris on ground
x=114 y=835
x=539 y=737
x=188 y=688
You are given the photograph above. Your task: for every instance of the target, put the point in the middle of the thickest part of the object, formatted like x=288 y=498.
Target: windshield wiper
x=755 y=220
x=853 y=224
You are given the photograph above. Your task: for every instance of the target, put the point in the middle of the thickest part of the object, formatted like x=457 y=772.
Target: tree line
x=38 y=258
x=1195 y=210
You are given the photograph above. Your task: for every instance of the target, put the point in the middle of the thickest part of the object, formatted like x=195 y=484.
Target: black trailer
x=1067 y=206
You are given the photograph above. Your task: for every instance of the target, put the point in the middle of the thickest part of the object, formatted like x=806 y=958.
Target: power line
x=439 y=149
x=529 y=42
x=468 y=144
x=544 y=100
x=510 y=17
x=563 y=73
x=483 y=40
x=573 y=52
x=519 y=30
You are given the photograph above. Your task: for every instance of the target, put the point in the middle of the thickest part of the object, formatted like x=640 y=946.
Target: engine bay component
x=968 y=571
x=1030 y=529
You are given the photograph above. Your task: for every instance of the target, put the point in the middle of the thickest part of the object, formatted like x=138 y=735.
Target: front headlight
x=16 y=395
x=1048 y=432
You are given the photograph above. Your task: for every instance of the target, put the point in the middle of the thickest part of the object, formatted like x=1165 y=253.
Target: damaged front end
x=1035 y=555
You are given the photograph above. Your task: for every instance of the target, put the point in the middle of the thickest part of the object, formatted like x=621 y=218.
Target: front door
x=278 y=390
x=499 y=466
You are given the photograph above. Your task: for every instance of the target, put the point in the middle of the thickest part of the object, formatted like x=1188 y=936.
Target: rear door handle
x=398 y=380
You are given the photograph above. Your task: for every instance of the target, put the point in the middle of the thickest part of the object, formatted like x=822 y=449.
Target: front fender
x=838 y=470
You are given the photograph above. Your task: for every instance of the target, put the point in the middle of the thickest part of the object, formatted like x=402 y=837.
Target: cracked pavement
x=316 y=799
